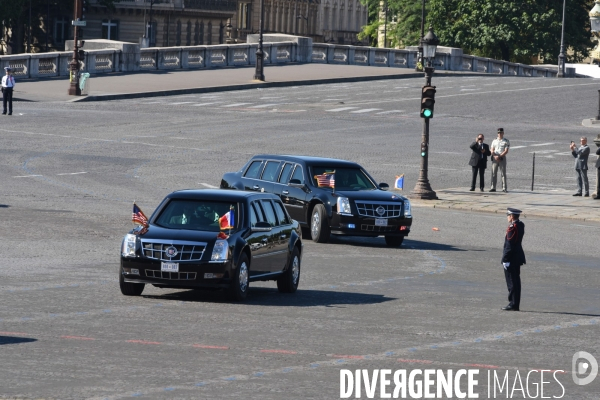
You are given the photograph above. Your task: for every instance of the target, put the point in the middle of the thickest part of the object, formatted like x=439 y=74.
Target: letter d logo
x=580 y=367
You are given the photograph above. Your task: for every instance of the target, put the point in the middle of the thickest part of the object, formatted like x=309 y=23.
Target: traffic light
x=427 y=101
x=423 y=149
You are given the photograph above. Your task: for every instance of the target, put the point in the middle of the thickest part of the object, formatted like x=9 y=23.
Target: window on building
x=221 y=33
x=209 y=34
x=151 y=33
x=196 y=33
x=61 y=29
x=110 y=29
x=178 y=34
x=188 y=36
x=245 y=16
x=201 y=33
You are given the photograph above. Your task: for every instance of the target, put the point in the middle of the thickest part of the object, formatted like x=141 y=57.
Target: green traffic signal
x=427 y=113
x=422 y=154
x=427 y=101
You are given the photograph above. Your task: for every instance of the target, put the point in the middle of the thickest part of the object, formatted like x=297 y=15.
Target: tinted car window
x=259 y=212
x=253 y=217
x=253 y=170
x=281 y=214
x=298 y=174
x=285 y=174
x=195 y=214
x=270 y=171
x=345 y=178
x=269 y=212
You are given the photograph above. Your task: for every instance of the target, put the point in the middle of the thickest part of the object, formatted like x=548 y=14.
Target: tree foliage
x=509 y=30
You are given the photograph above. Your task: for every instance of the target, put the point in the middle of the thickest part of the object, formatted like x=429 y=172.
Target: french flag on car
x=227 y=221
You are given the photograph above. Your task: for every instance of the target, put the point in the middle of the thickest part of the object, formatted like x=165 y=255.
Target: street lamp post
x=259 y=74
x=561 y=56
x=422 y=188
x=420 y=50
x=74 y=89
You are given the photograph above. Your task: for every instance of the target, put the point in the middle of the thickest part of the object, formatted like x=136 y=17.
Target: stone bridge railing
x=278 y=52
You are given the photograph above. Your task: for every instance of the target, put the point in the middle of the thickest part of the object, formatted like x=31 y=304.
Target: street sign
x=78 y=23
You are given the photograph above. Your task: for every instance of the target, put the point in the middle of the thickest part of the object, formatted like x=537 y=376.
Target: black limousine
x=213 y=239
x=327 y=196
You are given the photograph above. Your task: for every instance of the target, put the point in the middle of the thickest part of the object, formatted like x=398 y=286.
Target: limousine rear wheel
x=288 y=282
x=319 y=225
x=239 y=281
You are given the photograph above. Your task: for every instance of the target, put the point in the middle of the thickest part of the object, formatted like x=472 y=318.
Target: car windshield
x=198 y=215
x=344 y=178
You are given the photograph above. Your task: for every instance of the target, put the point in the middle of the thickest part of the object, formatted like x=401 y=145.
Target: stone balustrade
x=124 y=59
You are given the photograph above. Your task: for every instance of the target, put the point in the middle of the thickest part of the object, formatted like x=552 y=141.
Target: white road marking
x=208 y=185
x=341 y=109
x=586 y=226
x=26 y=176
x=389 y=112
x=235 y=105
x=365 y=110
x=468 y=90
x=73 y=173
x=446 y=152
x=272 y=97
x=543 y=144
x=153 y=102
x=181 y=102
x=206 y=104
x=543 y=152
x=266 y=105
x=516 y=147
x=333 y=99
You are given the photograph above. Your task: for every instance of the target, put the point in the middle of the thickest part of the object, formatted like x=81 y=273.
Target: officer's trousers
x=582 y=181
x=502 y=165
x=513 y=283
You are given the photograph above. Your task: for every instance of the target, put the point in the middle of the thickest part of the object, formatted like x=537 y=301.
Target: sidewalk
x=177 y=82
x=556 y=204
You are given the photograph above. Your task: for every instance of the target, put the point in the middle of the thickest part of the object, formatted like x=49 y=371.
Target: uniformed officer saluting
x=513 y=257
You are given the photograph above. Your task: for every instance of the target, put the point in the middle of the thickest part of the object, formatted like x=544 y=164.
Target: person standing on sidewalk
x=581 y=155
x=478 y=161
x=513 y=257
x=8 y=84
x=500 y=147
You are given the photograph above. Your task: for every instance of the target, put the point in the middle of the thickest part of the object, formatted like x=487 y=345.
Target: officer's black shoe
x=586 y=195
x=472 y=190
x=510 y=308
x=481 y=189
x=577 y=194
x=4 y=113
x=505 y=191
x=9 y=113
x=492 y=190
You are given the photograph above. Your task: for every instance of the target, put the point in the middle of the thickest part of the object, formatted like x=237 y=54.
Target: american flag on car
x=327 y=179
x=138 y=216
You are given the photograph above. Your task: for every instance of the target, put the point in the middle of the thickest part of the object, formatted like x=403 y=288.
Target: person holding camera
x=500 y=147
x=581 y=155
x=478 y=161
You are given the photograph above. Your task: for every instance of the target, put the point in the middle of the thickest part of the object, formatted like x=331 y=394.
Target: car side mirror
x=384 y=186
x=295 y=182
x=262 y=227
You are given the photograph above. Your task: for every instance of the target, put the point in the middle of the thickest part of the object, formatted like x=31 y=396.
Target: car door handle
x=255 y=187
x=286 y=192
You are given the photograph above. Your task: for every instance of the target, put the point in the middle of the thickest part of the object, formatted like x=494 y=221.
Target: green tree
x=404 y=22
x=513 y=30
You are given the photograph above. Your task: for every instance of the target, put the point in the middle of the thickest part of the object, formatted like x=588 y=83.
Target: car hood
x=159 y=233
x=371 y=195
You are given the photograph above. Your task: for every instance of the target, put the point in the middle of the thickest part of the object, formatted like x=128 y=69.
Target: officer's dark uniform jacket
x=513 y=251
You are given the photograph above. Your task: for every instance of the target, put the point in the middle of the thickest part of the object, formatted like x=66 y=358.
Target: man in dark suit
x=581 y=155
x=597 y=197
x=512 y=258
x=478 y=161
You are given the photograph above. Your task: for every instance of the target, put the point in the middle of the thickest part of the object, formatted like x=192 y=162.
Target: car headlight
x=407 y=213
x=220 y=251
x=128 y=248
x=343 y=205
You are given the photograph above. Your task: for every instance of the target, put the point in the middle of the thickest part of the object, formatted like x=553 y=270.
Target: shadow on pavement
x=262 y=296
x=561 y=313
x=379 y=242
x=15 y=340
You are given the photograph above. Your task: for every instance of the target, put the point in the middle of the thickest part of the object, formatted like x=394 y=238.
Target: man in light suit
x=478 y=161
x=581 y=155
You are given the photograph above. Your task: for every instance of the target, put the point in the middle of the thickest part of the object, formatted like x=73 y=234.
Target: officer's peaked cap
x=510 y=211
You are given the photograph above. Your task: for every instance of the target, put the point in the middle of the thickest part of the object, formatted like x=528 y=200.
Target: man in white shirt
x=499 y=150
x=8 y=85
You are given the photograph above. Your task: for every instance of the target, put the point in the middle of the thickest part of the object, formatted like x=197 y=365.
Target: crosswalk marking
x=517 y=147
x=364 y=110
x=389 y=112
x=236 y=104
x=341 y=109
x=543 y=144
x=181 y=102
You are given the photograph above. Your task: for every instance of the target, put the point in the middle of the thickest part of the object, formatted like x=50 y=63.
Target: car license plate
x=169 y=267
x=380 y=222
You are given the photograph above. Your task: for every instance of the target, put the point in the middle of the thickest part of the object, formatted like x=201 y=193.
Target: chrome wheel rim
x=295 y=270
x=243 y=277
x=315 y=224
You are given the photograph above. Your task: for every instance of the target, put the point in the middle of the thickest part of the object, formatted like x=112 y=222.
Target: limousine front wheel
x=239 y=280
x=319 y=226
x=288 y=282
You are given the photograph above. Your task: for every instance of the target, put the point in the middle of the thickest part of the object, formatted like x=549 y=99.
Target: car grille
x=174 y=276
x=369 y=209
x=186 y=251
x=374 y=228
